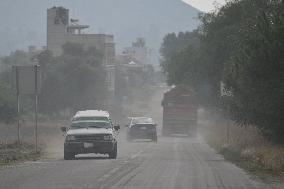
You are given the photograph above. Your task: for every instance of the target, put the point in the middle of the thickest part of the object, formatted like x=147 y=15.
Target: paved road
x=172 y=163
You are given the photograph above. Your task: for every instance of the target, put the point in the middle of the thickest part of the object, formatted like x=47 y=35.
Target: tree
x=172 y=51
x=8 y=110
x=184 y=60
x=255 y=70
x=241 y=45
x=75 y=80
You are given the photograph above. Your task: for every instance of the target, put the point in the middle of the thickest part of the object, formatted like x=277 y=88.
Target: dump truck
x=179 y=111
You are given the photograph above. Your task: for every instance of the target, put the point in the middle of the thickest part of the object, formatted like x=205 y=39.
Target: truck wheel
x=69 y=156
x=113 y=153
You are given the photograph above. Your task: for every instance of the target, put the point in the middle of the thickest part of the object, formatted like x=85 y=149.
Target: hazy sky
x=204 y=5
x=23 y=22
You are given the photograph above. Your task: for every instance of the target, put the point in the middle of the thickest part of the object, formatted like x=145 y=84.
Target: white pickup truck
x=91 y=131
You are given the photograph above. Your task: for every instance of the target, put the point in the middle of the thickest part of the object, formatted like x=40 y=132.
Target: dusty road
x=172 y=163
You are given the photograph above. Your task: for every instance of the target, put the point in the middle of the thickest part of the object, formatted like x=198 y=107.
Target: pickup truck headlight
x=108 y=137
x=70 y=138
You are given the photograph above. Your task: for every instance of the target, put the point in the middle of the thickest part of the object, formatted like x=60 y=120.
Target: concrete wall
x=56 y=29
x=57 y=36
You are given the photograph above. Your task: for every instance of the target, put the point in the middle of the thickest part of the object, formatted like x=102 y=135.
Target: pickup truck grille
x=86 y=138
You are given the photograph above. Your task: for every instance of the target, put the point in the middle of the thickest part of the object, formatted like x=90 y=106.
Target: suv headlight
x=70 y=138
x=108 y=137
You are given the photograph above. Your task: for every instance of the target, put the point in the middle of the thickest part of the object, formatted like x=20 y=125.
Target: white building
x=138 y=52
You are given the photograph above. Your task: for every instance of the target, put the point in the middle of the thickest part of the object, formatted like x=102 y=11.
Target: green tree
x=184 y=60
x=173 y=53
x=8 y=110
x=255 y=70
x=75 y=80
x=242 y=45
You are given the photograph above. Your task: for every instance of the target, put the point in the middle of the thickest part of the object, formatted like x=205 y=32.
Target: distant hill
x=23 y=23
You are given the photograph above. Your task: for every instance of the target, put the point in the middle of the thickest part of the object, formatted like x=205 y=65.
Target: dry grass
x=50 y=137
x=13 y=153
x=244 y=143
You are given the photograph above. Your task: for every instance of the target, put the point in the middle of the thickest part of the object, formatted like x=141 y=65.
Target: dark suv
x=142 y=128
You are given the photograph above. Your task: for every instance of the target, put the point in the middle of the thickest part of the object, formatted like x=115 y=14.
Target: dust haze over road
x=173 y=162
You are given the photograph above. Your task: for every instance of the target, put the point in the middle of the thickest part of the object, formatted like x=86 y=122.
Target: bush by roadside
x=245 y=146
x=15 y=153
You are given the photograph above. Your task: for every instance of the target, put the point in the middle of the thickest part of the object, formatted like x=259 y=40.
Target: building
x=131 y=68
x=61 y=29
x=138 y=52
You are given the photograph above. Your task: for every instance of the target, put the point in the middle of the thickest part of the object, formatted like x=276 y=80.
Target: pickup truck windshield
x=90 y=118
x=97 y=124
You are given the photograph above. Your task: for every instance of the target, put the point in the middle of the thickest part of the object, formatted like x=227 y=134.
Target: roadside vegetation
x=235 y=63
x=11 y=153
x=244 y=146
x=72 y=81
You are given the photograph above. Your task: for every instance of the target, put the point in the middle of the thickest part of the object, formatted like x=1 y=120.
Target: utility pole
x=36 y=110
x=228 y=131
x=28 y=82
x=18 y=104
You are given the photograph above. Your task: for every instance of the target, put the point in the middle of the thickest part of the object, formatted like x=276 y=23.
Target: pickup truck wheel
x=113 y=154
x=69 y=156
